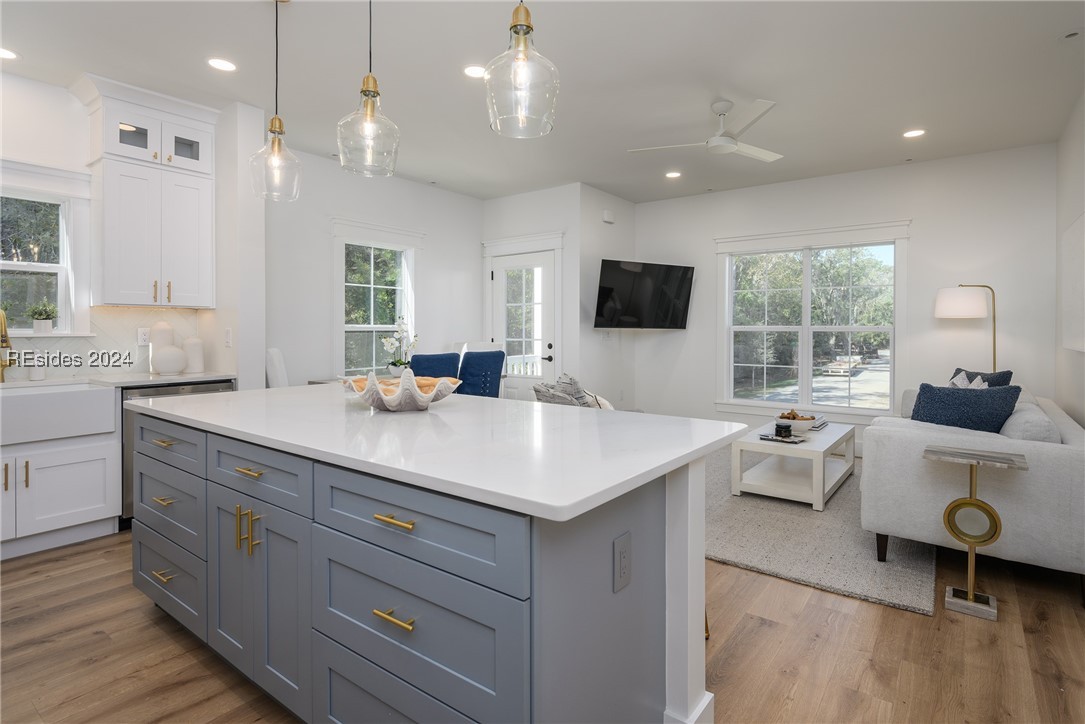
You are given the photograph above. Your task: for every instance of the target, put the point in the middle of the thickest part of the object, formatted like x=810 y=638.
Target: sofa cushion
x=962 y=380
x=569 y=385
x=985 y=410
x=544 y=393
x=1028 y=422
x=993 y=379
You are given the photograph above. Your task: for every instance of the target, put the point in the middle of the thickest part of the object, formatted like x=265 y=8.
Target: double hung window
x=811 y=327
x=374 y=297
x=34 y=259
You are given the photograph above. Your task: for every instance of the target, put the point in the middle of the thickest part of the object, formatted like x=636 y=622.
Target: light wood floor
x=79 y=643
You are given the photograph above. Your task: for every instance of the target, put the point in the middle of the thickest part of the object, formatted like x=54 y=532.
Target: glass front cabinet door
x=147 y=135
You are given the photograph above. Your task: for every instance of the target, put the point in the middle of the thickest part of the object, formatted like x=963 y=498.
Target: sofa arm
x=1042 y=509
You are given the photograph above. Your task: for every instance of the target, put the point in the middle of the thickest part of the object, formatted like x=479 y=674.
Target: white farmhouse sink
x=48 y=412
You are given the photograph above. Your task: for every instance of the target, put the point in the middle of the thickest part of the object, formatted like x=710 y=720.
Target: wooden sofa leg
x=883 y=545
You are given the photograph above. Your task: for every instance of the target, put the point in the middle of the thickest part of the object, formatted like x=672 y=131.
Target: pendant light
x=368 y=140
x=276 y=173
x=521 y=85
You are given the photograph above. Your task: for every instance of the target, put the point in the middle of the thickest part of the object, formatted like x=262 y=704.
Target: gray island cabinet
x=334 y=569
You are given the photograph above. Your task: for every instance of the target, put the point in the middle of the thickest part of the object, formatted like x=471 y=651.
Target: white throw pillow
x=977 y=384
x=960 y=380
x=1029 y=422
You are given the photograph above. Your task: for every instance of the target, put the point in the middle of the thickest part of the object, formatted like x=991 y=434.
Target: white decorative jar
x=193 y=347
x=161 y=336
x=396 y=370
x=43 y=326
x=168 y=360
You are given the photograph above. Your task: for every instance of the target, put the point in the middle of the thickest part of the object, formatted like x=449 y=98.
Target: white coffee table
x=807 y=472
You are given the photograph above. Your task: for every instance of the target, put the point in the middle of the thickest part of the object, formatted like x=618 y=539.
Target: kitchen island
x=487 y=559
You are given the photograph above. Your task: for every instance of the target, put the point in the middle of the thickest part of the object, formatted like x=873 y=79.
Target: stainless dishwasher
x=128 y=430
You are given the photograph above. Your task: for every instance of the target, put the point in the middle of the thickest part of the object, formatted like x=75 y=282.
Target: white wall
x=239 y=253
x=1069 y=205
x=986 y=218
x=540 y=212
x=606 y=356
x=301 y=290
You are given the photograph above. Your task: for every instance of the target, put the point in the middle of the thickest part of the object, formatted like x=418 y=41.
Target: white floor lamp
x=968 y=301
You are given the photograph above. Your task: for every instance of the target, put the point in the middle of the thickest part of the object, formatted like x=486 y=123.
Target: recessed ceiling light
x=915 y=133
x=222 y=64
x=474 y=71
x=674 y=174
x=7 y=54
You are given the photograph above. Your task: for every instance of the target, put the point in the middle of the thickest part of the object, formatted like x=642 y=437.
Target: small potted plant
x=43 y=313
x=400 y=344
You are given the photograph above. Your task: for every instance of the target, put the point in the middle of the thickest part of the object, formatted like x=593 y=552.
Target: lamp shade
x=961 y=303
x=521 y=85
x=276 y=173
x=368 y=140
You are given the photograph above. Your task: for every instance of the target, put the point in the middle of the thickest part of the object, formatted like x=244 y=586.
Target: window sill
x=28 y=335
x=832 y=414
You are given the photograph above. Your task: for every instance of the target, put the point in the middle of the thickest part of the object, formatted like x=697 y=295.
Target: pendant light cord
x=276 y=57
x=370 y=36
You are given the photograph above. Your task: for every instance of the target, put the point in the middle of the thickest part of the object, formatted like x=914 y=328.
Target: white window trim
x=896 y=232
x=72 y=190
x=350 y=231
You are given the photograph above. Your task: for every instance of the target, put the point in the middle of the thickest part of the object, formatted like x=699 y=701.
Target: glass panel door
x=524 y=310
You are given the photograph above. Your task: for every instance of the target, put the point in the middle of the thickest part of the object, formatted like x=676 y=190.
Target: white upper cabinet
x=153 y=162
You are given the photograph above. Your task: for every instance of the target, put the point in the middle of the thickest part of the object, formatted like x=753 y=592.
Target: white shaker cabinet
x=156 y=237
x=47 y=486
x=156 y=137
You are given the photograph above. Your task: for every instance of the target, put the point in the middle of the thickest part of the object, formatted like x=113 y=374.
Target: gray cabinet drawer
x=350 y=689
x=171 y=577
x=481 y=544
x=171 y=502
x=274 y=477
x=181 y=447
x=469 y=645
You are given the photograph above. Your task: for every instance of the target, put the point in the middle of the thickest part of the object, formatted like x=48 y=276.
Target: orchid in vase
x=400 y=344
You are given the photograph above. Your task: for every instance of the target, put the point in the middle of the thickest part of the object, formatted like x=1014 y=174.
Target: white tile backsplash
x=114 y=329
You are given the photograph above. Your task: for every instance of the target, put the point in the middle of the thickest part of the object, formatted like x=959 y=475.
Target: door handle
x=165 y=502
x=407 y=625
x=26 y=474
x=237 y=525
x=548 y=358
x=169 y=292
x=390 y=519
x=5 y=477
x=252 y=543
x=155 y=297
x=161 y=575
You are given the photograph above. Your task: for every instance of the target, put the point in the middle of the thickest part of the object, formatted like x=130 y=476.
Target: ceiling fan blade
x=745 y=149
x=660 y=148
x=740 y=122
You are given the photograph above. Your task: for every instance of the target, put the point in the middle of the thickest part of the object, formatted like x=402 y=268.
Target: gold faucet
x=5 y=344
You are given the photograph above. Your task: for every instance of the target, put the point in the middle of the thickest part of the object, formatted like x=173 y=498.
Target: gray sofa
x=1042 y=509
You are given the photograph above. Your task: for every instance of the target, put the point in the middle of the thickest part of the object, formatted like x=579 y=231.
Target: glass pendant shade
x=276 y=173
x=521 y=85
x=368 y=140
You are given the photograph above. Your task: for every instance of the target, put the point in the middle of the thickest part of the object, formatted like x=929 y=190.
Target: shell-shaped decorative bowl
x=406 y=393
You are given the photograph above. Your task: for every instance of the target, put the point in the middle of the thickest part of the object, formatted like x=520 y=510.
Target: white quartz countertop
x=551 y=461
x=149 y=379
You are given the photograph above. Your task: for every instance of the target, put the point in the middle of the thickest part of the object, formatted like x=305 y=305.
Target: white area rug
x=827 y=550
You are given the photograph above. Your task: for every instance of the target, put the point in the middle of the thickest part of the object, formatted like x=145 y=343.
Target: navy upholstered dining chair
x=480 y=373
x=446 y=364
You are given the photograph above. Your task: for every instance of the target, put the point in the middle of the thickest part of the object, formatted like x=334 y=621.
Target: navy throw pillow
x=985 y=410
x=993 y=379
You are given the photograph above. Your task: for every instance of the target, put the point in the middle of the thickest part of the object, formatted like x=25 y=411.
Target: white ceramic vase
x=43 y=326
x=395 y=370
x=168 y=360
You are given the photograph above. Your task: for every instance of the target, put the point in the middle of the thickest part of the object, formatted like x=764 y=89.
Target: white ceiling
x=848 y=78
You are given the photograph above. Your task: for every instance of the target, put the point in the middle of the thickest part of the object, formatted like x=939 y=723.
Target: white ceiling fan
x=726 y=139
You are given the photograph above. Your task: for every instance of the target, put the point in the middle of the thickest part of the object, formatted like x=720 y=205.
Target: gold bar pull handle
x=155 y=297
x=252 y=542
x=237 y=525
x=165 y=443
x=250 y=473
x=390 y=519
x=169 y=292
x=5 y=477
x=26 y=474
x=161 y=575
x=165 y=502
x=407 y=625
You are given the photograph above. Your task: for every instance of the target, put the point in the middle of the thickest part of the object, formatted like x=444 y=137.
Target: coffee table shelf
x=807 y=472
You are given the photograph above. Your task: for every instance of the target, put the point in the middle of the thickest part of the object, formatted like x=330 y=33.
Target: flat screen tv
x=639 y=295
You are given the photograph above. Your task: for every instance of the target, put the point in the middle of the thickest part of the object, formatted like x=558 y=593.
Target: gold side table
x=970 y=601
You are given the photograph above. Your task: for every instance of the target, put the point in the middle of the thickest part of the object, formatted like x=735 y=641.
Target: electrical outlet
x=623 y=560
x=143 y=336
x=228 y=337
